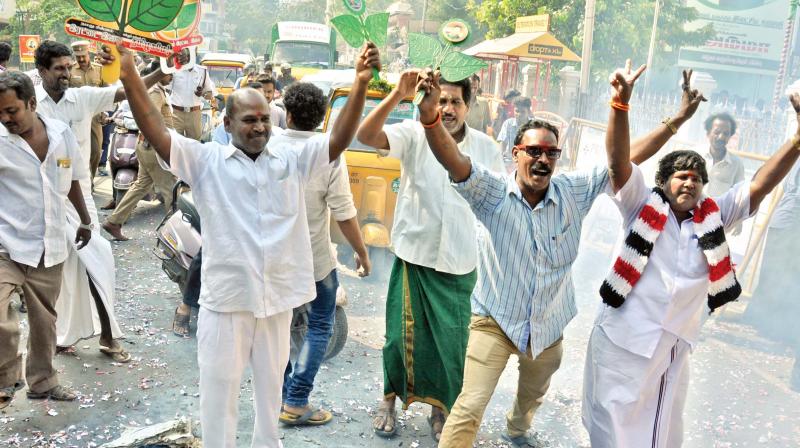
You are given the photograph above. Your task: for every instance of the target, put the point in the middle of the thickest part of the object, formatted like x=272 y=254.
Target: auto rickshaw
x=374 y=182
x=225 y=68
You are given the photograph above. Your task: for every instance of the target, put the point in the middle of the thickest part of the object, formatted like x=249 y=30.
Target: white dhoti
x=630 y=401
x=77 y=313
x=226 y=344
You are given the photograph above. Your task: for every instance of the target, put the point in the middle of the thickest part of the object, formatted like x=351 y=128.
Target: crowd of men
x=483 y=256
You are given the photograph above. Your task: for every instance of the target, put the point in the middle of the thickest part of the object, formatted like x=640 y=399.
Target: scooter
x=179 y=241
x=122 y=154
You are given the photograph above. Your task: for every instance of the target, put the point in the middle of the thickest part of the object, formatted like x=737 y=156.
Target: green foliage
x=622 y=27
x=381 y=85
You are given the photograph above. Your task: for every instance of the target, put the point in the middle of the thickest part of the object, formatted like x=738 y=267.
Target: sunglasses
x=537 y=151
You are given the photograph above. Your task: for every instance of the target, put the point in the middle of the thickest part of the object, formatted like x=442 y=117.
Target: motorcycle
x=122 y=154
x=179 y=241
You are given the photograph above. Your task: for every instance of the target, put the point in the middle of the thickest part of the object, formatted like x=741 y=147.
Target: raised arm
x=618 y=139
x=647 y=146
x=442 y=144
x=147 y=116
x=778 y=166
x=149 y=81
x=371 y=130
x=347 y=123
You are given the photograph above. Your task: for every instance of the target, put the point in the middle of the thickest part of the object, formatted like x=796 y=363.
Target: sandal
x=311 y=417
x=58 y=393
x=7 y=393
x=389 y=417
x=117 y=354
x=180 y=324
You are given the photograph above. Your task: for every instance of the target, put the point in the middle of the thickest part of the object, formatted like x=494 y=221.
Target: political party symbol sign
x=133 y=22
x=355 y=29
x=425 y=51
x=182 y=31
x=28 y=43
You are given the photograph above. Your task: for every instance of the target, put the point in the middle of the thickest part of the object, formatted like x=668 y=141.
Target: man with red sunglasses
x=524 y=297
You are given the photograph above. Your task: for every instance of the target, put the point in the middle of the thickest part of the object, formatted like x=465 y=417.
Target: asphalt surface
x=738 y=396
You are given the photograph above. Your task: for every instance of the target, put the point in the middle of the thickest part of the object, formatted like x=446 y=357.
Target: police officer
x=84 y=72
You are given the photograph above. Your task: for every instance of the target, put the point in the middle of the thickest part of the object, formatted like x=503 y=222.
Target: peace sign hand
x=691 y=98
x=622 y=81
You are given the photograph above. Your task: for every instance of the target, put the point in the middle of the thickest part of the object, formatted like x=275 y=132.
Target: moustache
x=448 y=117
x=538 y=166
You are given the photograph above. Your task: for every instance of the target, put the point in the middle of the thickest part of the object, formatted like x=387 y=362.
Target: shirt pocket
x=284 y=196
x=562 y=247
x=63 y=175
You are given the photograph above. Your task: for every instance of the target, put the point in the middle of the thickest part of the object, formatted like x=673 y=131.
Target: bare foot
x=115 y=230
x=385 y=422
x=436 y=420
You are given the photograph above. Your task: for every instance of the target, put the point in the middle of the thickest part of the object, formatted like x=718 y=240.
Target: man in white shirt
x=673 y=268
x=189 y=87
x=724 y=169
x=38 y=159
x=89 y=272
x=327 y=195
x=257 y=259
x=435 y=241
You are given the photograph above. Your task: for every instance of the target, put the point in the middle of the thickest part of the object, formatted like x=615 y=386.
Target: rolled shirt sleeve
x=339 y=198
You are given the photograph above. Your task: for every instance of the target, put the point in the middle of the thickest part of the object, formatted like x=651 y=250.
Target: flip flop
x=180 y=324
x=7 y=393
x=118 y=354
x=292 y=419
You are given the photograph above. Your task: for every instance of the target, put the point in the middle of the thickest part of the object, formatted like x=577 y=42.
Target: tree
x=622 y=27
x=43 y=17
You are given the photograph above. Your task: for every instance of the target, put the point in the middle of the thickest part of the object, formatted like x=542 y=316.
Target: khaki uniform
x=91 y=77
x=151 y=175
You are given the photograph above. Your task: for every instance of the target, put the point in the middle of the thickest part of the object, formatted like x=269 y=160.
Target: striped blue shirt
x=525 y=259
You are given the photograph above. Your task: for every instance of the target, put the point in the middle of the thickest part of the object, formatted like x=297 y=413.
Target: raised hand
x=691 y=98
x=369 y=59
x=795 y=100
x=407 y=85
x=622 y=81
x=429 y=106
x=127 y=61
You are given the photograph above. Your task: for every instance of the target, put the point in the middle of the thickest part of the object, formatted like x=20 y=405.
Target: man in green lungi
x=435 y=239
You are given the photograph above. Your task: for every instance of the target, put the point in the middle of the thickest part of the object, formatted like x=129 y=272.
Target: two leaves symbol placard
x=356 y=30
x=143 y=15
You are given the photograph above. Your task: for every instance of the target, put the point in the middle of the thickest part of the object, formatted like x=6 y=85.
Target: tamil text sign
x=748 y=35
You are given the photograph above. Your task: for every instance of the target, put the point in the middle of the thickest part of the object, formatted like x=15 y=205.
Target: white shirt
x=724 y=174
x=256 y=249
x=433 y=224
x=184 y=84
x=327 y=194
x=77 y=108
x=672 y=293
x=33 y=212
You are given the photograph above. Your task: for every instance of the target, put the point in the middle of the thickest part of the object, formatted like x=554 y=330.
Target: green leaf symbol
x=185 y=18
x=350 y=28
x=377 y=26
x=457 y=66
x=102 y=10
x=422 y=50
x=153 y=15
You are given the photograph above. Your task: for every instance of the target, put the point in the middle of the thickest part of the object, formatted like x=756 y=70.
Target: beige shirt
x=327 y=195
x=90 y=77
x=158 y=95
x=479 y=116
x=723 y=175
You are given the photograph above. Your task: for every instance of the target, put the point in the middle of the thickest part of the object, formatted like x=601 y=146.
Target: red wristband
x=435 y=122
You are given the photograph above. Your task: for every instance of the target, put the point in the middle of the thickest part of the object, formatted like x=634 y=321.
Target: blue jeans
x=298 y=381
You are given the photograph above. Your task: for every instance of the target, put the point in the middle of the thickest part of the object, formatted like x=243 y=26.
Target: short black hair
x=254 y=85
x=521 y=102
x=5 y=51
x=681 y=160
x=535 y=124
x=149 y=68
x=49 y=50
x=266 y=79
x=724 y=116
x=306 y=103
x=18 y=82
x=466 y=88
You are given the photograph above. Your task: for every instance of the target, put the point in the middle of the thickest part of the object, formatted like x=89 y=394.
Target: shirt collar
x=41 y=95
x=513 y=188
x=710 y=158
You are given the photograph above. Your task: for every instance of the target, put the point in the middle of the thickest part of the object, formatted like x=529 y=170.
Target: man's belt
x=186 y=109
